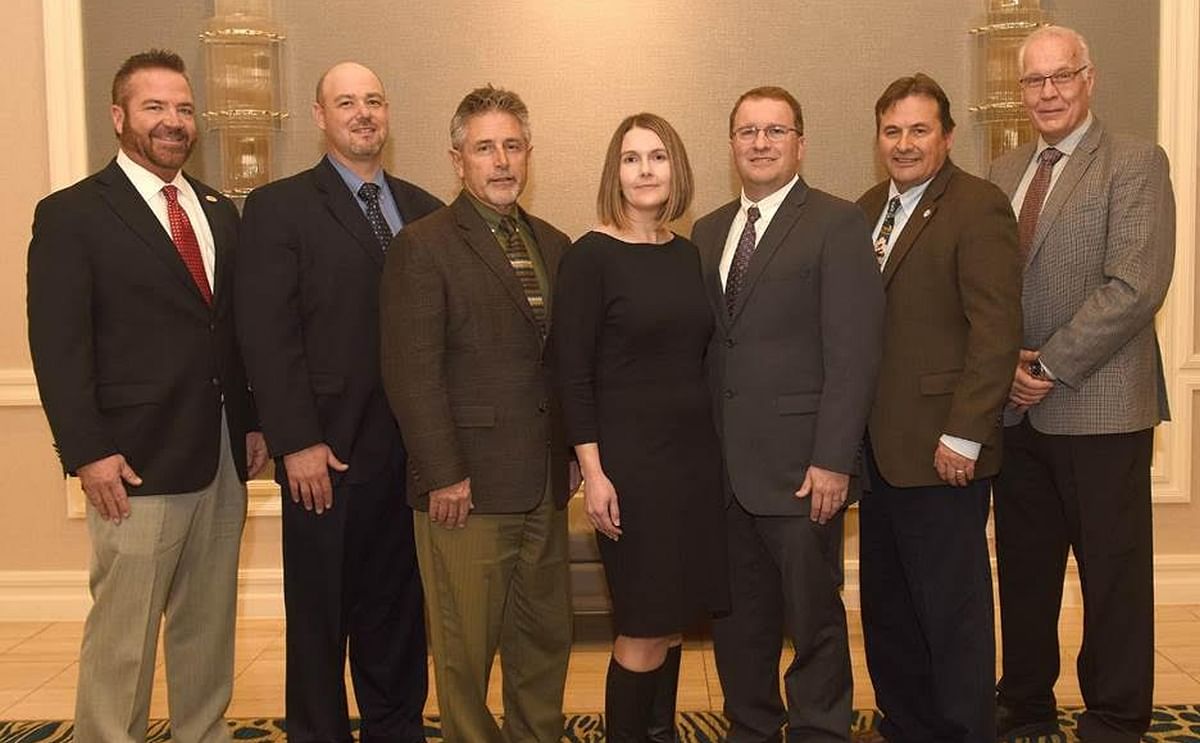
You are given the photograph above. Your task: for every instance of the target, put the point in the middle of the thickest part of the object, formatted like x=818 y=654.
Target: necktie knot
x=1049 y=157
x=752 y=214
x=893 y=206
x=369 y=192
x=171 y=193
x=507 y=226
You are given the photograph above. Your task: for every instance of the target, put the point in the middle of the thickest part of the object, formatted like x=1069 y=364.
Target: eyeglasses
x=773 y=132
x=1058 y=79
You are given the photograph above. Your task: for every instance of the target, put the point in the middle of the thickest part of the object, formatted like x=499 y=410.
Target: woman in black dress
x=632 y=322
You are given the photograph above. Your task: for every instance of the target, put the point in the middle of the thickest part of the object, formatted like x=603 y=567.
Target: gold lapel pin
x=926 y=214
x=213 y=199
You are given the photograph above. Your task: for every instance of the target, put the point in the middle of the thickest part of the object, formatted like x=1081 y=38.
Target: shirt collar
x=1068 y=143
x=351 y=179
x=772 y=200
x=146 y=183
x=910 y=198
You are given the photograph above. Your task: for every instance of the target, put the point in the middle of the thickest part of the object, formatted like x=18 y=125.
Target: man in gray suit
x=1096 y=226
x=798 y=300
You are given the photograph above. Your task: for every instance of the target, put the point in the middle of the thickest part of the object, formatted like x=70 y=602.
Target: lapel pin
x=210 y=197
x=926 y=214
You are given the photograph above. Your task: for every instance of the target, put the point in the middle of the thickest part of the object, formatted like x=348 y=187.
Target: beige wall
x=581 y=65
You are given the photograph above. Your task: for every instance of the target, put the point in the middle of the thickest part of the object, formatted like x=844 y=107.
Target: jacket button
x=215 y=382
x=543 y=406
x=730 y=394
x=729 y=343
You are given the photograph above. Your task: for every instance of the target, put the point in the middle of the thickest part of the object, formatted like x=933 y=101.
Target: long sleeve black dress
x=631 y=323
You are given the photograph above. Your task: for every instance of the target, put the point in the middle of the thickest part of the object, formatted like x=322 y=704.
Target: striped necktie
x=518 y=256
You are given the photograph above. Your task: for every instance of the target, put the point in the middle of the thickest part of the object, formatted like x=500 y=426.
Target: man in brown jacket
x=946 y=243
x=464 y=321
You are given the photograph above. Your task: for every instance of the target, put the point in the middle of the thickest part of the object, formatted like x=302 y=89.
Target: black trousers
x=1090 y=494
x=350 y=575
x=785 y=578
x=927 y=610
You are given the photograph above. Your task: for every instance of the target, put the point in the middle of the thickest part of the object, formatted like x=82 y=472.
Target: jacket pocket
x=127 y=394
x=940 y=383
x=327 y=384
x=798 y=404
x=474 y=416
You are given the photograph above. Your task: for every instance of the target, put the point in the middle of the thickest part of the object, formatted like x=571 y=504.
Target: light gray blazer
x=1098 y=270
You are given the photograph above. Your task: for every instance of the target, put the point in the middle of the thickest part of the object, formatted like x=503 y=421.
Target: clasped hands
x=1027 y=390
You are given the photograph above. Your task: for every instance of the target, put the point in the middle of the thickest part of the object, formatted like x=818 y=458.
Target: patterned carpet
x=1176 y=723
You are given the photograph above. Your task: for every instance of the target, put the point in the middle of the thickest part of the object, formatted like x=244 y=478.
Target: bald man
x=308 y=322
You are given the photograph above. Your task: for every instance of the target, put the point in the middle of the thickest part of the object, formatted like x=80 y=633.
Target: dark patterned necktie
x=185 y=241
x=369 y=193
x=1031 y=207
x=522 y=263
x=741 y=260
x=885 y=231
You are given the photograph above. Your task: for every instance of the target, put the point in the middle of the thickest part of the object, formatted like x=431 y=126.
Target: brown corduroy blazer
x=462 y=358
x=952 y=326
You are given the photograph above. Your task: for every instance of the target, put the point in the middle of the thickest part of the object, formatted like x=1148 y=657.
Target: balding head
x=352 y=111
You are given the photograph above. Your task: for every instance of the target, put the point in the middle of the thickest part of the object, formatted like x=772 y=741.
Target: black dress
x=631 y=324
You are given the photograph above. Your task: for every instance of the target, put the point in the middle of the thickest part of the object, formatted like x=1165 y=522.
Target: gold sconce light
x=243 y=47
x=1003 y=117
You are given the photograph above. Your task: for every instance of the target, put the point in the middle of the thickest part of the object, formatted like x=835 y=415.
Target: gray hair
x=483 y=100
x=1055 y=32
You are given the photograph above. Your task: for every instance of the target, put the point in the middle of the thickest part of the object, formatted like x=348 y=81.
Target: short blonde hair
x=610 y=202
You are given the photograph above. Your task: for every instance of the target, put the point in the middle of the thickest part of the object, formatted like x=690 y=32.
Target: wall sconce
x=1005 y=122
x=245 y=90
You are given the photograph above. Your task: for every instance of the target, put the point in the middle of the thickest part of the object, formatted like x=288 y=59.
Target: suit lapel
x=781 y=224
x=480 y=239
x=1007 y=172
x=341 y=203
x=1077 y=164
x=921 y=216
x=124 y=199
x=710 y=259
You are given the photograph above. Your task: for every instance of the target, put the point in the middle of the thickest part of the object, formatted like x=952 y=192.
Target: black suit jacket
x=129 y=358
x=794 y=368
x=308 y=309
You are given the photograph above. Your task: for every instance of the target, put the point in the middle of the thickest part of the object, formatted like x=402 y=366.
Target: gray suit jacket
x=794 y=369
x=1098 y=270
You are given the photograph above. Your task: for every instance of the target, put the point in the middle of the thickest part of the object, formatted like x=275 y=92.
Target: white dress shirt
x=766 y=212
x=150 y=186
x=908 y=205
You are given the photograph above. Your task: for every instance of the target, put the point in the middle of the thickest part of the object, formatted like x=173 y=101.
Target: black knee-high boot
x=628 y=696
x=662 y=714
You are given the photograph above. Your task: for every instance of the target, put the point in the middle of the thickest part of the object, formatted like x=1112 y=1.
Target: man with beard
x=465 y=320
x=308 y=321
x=131 y=332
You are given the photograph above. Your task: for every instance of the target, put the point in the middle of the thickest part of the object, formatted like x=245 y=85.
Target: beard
x=164 y=147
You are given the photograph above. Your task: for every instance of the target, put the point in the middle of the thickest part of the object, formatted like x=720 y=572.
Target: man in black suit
x=799 y=307
x=131 y=332
x=308 y=304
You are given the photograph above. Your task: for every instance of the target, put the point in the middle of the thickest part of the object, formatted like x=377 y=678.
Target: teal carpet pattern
x=1175 y=723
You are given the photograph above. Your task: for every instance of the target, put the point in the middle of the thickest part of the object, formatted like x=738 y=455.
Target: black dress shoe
x=1011 y=726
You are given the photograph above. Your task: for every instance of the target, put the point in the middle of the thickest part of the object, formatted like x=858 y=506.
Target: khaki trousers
x=501 y=583
x=176 y=557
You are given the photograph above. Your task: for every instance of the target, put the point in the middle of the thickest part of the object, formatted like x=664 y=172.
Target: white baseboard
x=62 y=595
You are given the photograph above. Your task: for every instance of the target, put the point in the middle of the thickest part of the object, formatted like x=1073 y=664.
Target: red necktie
x=1031 y=207
x=185 y=241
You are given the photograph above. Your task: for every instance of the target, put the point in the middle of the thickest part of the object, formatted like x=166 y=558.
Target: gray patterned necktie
x=741 y=260
x=1031 y=206
x=369 y=193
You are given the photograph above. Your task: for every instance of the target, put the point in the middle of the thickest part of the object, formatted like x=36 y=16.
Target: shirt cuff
x=965 y=447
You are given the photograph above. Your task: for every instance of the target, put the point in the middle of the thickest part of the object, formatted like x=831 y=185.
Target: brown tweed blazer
x=462 y=363
x=1098 y=270
x=952 y=327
